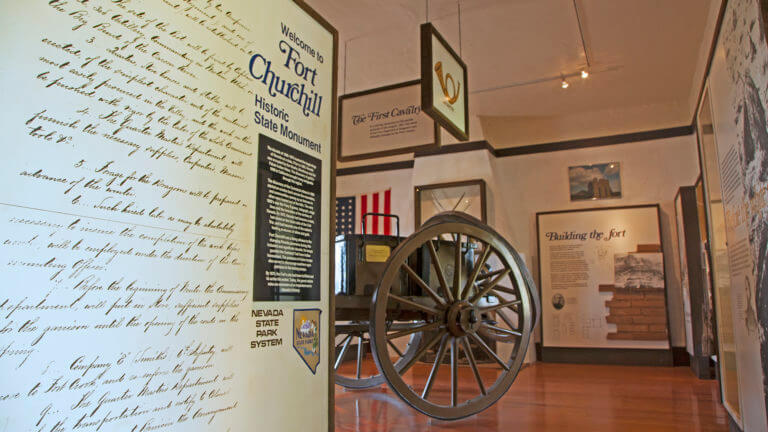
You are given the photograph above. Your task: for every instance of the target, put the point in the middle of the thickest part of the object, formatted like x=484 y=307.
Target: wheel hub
x=462 y=318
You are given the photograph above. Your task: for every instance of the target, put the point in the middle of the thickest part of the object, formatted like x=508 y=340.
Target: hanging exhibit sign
x=444 y=83
x=602 y=279
x=385 y=121
x=164 y=162
x=737 y=83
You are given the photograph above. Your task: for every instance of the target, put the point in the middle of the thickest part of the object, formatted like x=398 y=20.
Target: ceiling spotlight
x=584 y=74
x=564 y=84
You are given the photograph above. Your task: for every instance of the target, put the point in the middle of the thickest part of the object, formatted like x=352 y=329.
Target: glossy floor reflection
x=553 y=397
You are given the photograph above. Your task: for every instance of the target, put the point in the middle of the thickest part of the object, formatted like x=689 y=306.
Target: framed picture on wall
x=463 y=196
x=598 y=181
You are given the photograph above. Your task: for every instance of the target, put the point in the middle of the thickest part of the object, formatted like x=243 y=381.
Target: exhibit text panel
x=602 y=279
x=128 y=216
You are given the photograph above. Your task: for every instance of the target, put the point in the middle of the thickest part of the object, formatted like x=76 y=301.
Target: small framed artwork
x=463 y=196
x=592 y=182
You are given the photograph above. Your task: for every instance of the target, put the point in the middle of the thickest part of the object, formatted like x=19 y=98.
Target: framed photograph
x=464 y=196
x=385 y=121
x=444 y=84
x=598 y=181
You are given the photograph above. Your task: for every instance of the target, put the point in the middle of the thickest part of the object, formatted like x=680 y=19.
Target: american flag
x=350 y=211
x=345 y=215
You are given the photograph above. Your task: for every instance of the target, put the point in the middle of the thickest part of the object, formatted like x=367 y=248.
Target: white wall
x=521 y=186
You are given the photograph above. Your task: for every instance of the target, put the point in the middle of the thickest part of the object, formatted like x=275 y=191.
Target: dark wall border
x=596 y=142
x=576 y=144
x=457 y=148
x=365 y=169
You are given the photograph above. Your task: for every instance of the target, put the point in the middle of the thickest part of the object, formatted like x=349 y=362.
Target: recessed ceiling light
x=564 y=84
x=584 y=74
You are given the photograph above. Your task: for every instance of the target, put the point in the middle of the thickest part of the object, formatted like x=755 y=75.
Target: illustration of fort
x=638 y=305
x=599 y=188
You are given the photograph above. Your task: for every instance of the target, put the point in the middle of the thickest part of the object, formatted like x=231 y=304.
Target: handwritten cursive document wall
x=128 y=214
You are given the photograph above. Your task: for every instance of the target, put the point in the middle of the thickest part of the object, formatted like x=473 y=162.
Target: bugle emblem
x=444 y=84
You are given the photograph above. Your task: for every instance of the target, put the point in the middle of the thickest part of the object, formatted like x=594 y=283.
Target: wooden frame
x=371 y=155
x=427 y=80
x=640 y=356
x=418 y=189
x=331 y=341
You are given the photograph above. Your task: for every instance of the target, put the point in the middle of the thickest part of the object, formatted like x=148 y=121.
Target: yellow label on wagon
x=377 y=253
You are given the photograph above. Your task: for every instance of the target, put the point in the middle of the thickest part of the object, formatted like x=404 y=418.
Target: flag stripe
x=376 y=210
x=363 y=210
x=387 y=210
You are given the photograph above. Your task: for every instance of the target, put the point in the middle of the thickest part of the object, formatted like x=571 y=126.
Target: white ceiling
x=647 y=59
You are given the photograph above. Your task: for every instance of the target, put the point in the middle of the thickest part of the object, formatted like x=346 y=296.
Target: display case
x=694 y=282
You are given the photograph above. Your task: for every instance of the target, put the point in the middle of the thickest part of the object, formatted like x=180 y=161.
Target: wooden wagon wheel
x=487 y=292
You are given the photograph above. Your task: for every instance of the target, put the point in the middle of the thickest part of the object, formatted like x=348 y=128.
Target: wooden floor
x=555 y=397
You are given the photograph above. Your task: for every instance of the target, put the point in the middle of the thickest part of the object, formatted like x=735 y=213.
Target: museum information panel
x=132 y=134
x=737 y=84
x=602 y=279
x=384 y=121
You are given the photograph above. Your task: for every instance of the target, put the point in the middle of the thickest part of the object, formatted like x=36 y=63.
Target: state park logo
x=451 y=94
x=306 y=336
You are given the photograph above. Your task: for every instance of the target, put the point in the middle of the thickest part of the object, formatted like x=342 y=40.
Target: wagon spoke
x=457 y=256
x=475 y=271
x=343 y=340
x=499 y=306
x=501 y=330
x=490 y=274
x=420 y=328
x=394 y=347
x=420 y=353
x=454 y=372
x=343 y=352
x=420 y=282
x=472 y=364
x=413 y=304
x=506 y=319
x=488 y=350
x=504 y=289
x=359 y=356
x=435 y=366
x=515 y=308
x=489 y=286
x=439 y=270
